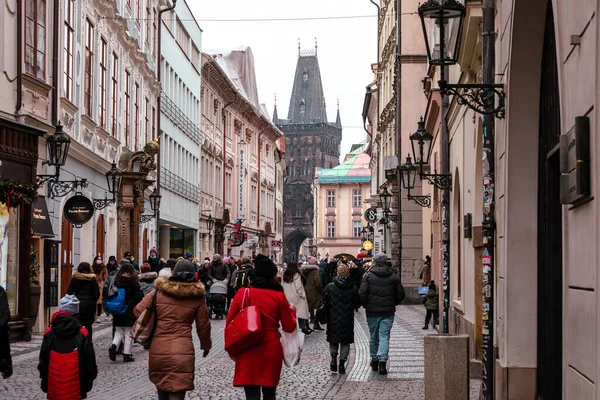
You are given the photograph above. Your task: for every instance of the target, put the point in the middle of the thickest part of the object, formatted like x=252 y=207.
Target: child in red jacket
x=67 y=361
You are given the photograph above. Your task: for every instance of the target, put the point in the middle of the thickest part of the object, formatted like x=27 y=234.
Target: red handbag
x=245 y=330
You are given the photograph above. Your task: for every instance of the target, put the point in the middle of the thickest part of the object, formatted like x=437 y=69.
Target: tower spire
x=316 y=46
x=298 y=47
x=275 y=116
x=338 y=119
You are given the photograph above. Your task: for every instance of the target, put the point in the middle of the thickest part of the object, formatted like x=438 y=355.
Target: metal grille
x=178 y=117
x=179 y=186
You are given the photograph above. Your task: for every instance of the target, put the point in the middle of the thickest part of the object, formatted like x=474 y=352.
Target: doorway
x=101 y=238
x=66 y=259
x=550 y=281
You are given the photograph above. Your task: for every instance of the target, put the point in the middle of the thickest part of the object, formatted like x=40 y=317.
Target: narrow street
x=309 y=380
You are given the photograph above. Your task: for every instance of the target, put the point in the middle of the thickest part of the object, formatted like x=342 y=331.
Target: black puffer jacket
x=85 y=288
x=219 y=271
x=381 y=291
x=133 y=295
x=340 y=299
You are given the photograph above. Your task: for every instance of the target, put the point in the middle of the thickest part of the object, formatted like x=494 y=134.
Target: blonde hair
x=343 y=270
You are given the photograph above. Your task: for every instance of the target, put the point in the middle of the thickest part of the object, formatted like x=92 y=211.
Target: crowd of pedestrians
x=298 y=297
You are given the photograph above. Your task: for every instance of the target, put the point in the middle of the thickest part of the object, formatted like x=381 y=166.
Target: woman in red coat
x=259 y=367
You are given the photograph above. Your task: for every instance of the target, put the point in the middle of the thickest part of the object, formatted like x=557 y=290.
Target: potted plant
x=35 y=290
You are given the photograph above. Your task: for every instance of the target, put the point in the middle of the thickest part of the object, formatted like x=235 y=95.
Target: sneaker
x=426 y=327
x=128 y=358
x=112 y=352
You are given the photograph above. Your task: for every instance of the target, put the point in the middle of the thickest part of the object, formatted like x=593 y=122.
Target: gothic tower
x=311 y=142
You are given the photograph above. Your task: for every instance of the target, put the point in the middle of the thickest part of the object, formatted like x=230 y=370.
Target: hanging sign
x=371 y=214
x=237 y=238
x=78 y=210
x=368 y=245
x=242 y=179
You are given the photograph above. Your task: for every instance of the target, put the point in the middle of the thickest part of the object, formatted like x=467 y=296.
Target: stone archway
x=292 y=244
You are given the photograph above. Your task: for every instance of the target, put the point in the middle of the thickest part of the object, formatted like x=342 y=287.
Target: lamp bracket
x=42 y=179
x=62 y=188
x=480 y=98
x=146 y=217
x=100 y=204
x=394 y=218
x=440 y=181
x=423 y=201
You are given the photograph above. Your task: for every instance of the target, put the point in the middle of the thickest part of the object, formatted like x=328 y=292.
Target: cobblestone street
x=309 y=380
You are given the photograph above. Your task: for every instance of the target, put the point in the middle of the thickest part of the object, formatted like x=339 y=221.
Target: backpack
x=117 y=305
x=242 y=278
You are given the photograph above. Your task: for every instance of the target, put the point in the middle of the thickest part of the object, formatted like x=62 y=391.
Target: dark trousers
x=170 y=395
x=253 y=392
x=436 y=316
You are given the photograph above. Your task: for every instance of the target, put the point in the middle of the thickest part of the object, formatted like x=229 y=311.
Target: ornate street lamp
x=408 y=173
x=386 y=199
x=113 y=180
x=154 y=206
x=421 y=146
x=210 y=222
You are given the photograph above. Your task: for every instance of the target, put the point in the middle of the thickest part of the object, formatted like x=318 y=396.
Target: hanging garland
x=15 y=193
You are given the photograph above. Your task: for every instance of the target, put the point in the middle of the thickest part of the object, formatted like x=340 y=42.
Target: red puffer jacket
x=67 y=361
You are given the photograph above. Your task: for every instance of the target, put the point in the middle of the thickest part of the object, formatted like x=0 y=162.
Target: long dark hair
x=127 y=269
x=290 y=272
x=84 y=268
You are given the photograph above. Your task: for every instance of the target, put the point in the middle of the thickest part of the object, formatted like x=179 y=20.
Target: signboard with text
x=242 y=179
x=78 y=210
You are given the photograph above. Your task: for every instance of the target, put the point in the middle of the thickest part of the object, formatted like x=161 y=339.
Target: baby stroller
x=217 y=299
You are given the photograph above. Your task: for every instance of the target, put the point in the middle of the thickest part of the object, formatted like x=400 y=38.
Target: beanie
x=188 y=255
x=380 y=258
x=184 y=266
x=312 y=260
x=69 y=304
x=264 y=267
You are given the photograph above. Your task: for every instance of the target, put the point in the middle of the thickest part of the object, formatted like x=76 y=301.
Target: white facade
x=180 y=133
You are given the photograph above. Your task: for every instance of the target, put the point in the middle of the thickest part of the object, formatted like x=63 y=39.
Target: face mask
x=98 y=262
x=152 y=256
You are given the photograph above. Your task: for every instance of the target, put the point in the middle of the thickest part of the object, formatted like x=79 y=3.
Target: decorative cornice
x=388 y=114
x=36 y=84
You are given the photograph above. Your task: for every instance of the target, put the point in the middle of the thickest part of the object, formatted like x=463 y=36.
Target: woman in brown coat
x=101 y=274
x=180 y=301
x=313 y=289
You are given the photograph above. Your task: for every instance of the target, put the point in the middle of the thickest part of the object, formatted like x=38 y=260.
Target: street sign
x=367 y=245
x=78 y=210
x=371 y=214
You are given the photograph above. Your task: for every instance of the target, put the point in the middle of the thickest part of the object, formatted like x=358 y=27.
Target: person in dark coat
x=340 y=301
x=356 y=273
x=431 y=302
x=147 y=278
x=313 y=289
x=126 y=279
x=6 y=369
x=67 y=362
x=380 y=292
x=128 y=256
x=84 y=285
x=331 y=270
x=156 y=263
x=218 y=271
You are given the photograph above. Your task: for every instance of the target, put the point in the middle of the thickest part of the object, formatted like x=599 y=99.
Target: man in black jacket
x=380 y=292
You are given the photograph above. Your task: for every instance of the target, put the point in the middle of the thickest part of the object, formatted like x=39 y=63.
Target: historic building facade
x=311 y=142
x=242 y=161
x=180 y=134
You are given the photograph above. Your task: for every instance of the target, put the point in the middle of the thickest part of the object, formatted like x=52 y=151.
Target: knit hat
x=153 y=250
x=380 y=258
x=312 y=260
x=69 y=304
x=188 y=255
x=112 y=258
x=264 y=267
x=165 y=272
x=343 y=270
x=216 y=256
x=184 y=266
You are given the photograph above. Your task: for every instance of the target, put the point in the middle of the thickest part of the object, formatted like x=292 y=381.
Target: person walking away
x=313 y=289
x=340 y=300
x=156 y=263
x=426 y=272
x=242 y=276
x=356 y=274
x=67 y=362
x=6 y=368
x=259 y=368
x=147 y=278
x=380 y=292
x=180 y=302
x=232 y=268
x=84 y=285
x=128 y=289
x=432 y=304
x=101 y=273
x=295 y=294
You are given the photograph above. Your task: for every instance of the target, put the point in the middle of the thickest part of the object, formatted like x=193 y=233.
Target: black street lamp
x=421 y=146
x=210 y=222
x=154 y=206
x=386 y=199
x=408 y=173
x=113 y=180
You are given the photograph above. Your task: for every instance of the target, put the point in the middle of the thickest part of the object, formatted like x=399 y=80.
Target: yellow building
x=339 y=205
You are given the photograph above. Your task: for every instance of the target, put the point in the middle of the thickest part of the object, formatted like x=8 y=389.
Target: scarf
x=183 y=277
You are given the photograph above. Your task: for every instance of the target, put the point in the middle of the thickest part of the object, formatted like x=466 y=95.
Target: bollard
x=447 y=367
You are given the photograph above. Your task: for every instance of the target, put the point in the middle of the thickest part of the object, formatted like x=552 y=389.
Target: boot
x=307 y=331
x=120 y=349
x=112 y=352
x=128 y=358
x=342 y=367
x=333 y=365
x=374 y=365
x=426 y=327
x=382 y=368
x=317 y=327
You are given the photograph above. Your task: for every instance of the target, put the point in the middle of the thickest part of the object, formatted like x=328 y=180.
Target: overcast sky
x=346 y=49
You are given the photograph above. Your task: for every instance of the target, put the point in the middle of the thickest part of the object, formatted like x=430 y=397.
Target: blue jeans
x=380 y=328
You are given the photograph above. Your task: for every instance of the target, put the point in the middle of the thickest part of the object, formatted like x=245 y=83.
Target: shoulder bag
x=245 y=330
x=142 y=331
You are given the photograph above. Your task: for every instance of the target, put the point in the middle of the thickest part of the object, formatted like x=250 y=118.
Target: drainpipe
x=225 y=144
x=56 y=73
x=259 y=185
x=378 y=89
x=20 y=34
x=158 y=105
x=399 y=128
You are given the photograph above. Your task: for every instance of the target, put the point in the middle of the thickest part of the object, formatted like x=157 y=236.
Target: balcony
x=180 y=186
x=178 y=117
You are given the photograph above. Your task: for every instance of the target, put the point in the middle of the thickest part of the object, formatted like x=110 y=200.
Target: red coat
x=261 y=365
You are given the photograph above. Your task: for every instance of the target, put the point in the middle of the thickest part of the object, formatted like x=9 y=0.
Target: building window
x=115 y=93
x=89 y=65
x=196 y=57
x=330 y=229
x=183 y=39
x=127 y=105
x=35 y=38
x=148 y=26
x=331 y=198
x=153 y=123
x=103 y=67
x=138 y=14
x=228 y=185
x=147 y=120
x=155 y=31
x=356 y=197
x=136 y=106
x=356 y=228
x=68 y=49
x=254 y=198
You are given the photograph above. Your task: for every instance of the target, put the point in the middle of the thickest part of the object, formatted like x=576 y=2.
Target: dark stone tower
x=311 y=142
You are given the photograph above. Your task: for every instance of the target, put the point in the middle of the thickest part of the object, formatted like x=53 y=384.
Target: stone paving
x=309 y=380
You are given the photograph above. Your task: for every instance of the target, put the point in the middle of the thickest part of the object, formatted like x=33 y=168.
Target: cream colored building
x=339 y=195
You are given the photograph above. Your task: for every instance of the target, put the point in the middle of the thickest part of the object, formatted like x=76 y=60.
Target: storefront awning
x=40 y=219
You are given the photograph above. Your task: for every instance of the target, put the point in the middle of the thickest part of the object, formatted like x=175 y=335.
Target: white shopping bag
x=292 y=347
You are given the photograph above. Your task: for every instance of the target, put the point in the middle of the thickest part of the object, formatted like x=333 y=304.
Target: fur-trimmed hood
x=84 y=277
x=180 y=289
x=148 y=276
x=305 y=269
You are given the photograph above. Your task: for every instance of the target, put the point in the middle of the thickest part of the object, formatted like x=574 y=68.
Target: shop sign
x=575 y=179
x=275 y=243
x=371 y=214
x=237 y=238
x=78 y=210
x=368 y=245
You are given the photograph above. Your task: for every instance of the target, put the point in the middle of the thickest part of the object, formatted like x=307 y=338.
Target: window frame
x=154 y=123
x=115 y=93
x=356 y=194
x=136 y=107
x=356 y=229
x=147 y=119
x=148 y=25
x=127 y=105
x=68 y=41
x=330 y=198
x=103 y=79
x=37 y=27
x=331 y=229
x=88 y=79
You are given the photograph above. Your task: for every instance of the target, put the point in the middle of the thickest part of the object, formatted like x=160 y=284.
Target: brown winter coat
x=101 y=278
x=172 y=356
x=312 y=287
